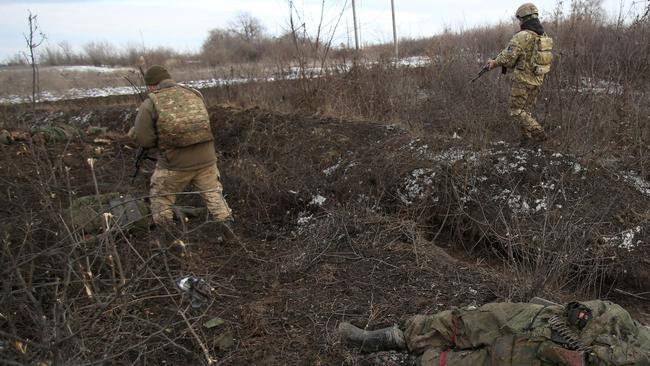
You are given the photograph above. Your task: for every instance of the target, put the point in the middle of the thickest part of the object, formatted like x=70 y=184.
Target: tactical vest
x=542 y=56
x=182 y=120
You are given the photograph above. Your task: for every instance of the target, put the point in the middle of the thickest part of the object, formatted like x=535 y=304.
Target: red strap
x=453 y=332
x=443 y=359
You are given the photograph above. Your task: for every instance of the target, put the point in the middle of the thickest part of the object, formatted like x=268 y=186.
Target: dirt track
x=304 y=264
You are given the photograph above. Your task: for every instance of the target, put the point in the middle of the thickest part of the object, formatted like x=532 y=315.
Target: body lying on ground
x=588 y=333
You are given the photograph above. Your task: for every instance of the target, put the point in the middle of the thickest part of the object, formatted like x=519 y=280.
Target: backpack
x=543 y=55
x=183 y=119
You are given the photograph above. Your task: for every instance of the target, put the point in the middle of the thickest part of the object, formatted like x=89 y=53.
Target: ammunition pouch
x=543 y=55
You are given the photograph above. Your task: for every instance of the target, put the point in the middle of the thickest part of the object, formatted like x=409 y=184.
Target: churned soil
x=337 y=221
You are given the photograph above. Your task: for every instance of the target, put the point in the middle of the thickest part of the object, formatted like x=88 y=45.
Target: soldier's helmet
x=526 y=10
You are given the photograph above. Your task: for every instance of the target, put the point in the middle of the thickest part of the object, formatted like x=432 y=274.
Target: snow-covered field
x=81 y=93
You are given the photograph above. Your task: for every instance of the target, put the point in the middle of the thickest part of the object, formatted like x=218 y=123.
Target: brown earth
x=371 y=253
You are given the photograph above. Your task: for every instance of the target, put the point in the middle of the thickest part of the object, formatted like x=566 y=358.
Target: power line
x=392 y=5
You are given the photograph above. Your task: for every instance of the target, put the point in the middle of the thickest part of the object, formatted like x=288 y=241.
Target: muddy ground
x=338 y=221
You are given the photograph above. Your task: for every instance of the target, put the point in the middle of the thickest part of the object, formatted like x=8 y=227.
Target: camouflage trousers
x=523 y=98
x=446 y=338
x=166 y=183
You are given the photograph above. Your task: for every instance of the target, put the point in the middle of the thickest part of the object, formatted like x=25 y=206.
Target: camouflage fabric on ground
x=5 y=137
x=96 y=214
x=56 y=133
x=523 y=334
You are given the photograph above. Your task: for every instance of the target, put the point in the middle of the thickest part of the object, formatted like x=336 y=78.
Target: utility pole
x=356 y=28
x=347 y=27
x=392 y=5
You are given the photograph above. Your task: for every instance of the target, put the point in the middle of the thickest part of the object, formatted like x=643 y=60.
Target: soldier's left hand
x=491 y=64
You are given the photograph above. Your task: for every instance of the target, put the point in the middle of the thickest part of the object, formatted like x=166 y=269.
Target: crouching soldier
x=174 y=119
x=510 y=334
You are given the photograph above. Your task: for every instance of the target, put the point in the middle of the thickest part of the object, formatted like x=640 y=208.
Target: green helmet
x=526 y=10
x=155 y=74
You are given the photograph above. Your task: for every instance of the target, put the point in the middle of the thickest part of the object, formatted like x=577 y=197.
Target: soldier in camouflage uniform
x=175 y=120
x=510 y=334
x=529 y=54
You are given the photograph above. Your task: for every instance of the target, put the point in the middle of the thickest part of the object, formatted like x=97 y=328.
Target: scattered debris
x=214 y=322
x=198 y=291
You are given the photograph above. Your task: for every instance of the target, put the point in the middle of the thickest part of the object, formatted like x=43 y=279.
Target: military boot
x=372 y=341
x=532 y=142
x=226 y=230
x=539 y=136
x=525 y=142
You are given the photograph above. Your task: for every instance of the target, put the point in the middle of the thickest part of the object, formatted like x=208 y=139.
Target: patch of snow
x=577 y=168
x=639 y=183
x=329 y=171
x=317 y=200
x=414 y=61
x=599 y=86
x=304 y=218
x=415 y=185
x=93 y=69
x=540 y=204
x=625 y=240
x=518 y=205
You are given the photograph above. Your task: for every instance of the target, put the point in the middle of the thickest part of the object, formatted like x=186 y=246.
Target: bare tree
x=244 y=41
x=312 y=50
x=247 y=27
x=34 y=39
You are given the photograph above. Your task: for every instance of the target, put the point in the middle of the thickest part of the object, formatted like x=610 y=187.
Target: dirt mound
x=563 y=220
x=339 y=220
x=569 y=222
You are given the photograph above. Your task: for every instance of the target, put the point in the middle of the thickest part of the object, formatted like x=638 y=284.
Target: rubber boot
x=225 y=228
x=539 y=136
x=385 y=339
x=525 y=142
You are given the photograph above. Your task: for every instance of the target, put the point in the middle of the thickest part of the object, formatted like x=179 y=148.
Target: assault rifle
x=140 y=156
x=485 y=69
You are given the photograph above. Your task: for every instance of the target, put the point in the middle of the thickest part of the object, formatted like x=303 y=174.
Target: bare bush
x=244 y=41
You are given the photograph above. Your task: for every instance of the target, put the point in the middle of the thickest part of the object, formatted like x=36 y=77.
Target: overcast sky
x=184 y=24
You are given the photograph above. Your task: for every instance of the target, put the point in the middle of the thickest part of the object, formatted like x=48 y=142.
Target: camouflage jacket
x=522 y=334
x=181 y=159
x=518 y=56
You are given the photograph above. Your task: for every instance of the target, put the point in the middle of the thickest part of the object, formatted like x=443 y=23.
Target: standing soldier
x=174 y=119
x=529 y=53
